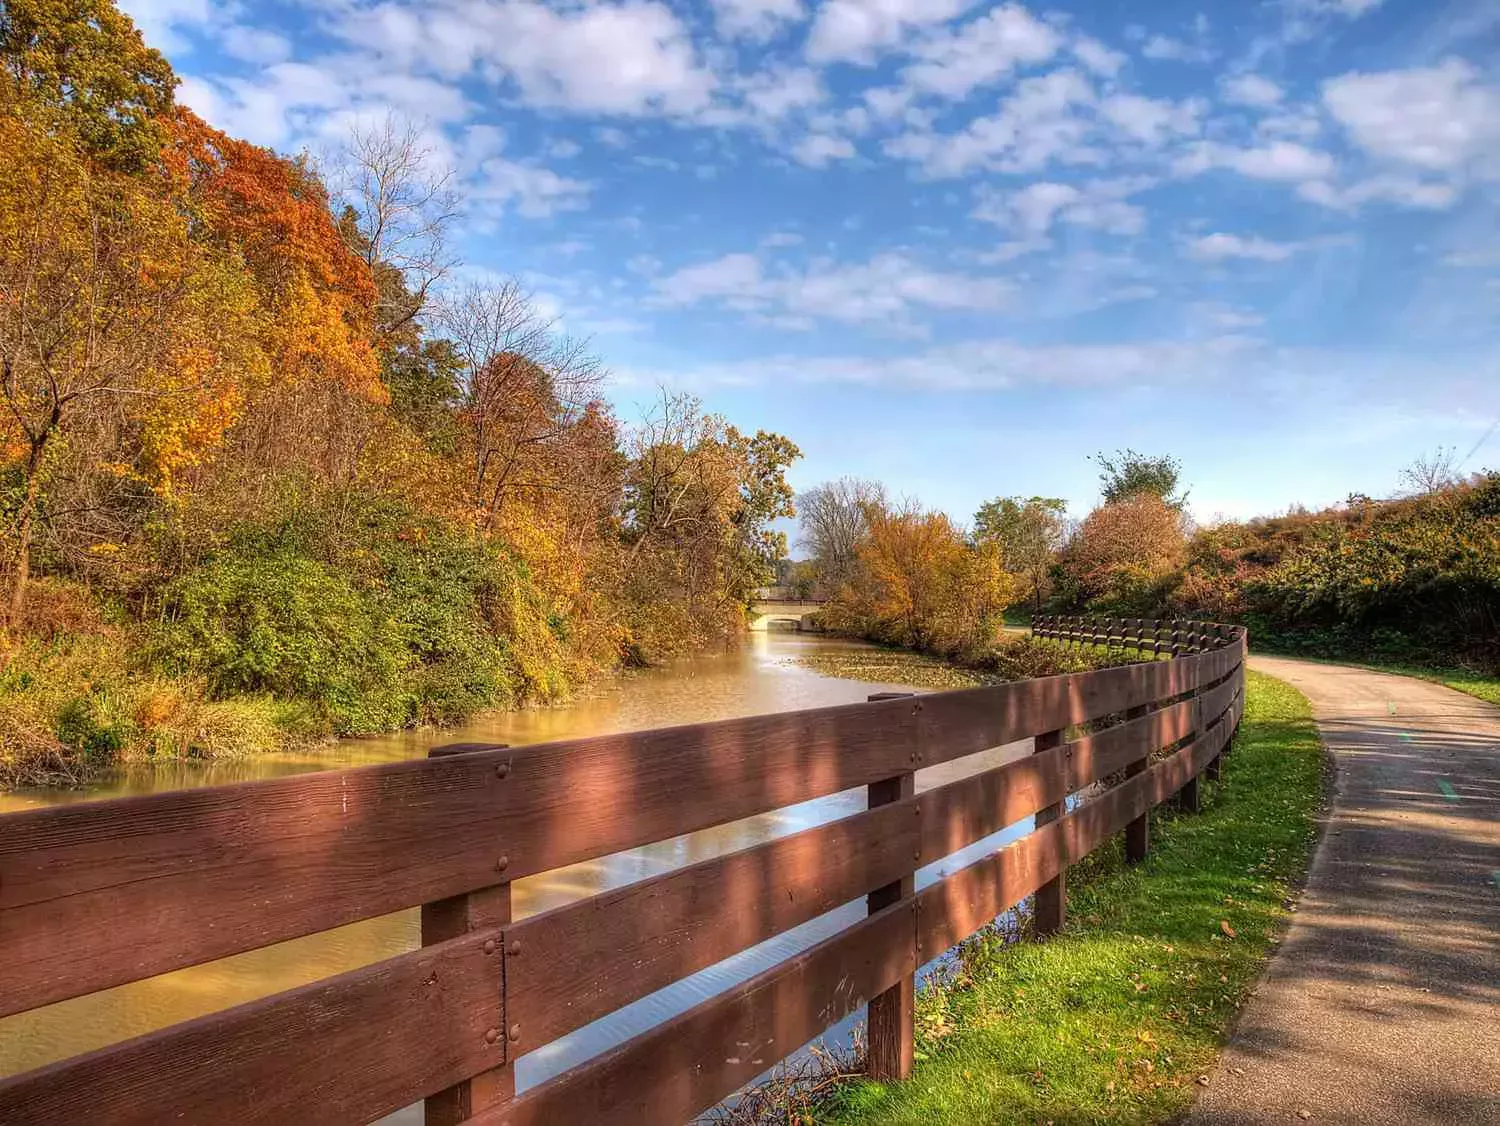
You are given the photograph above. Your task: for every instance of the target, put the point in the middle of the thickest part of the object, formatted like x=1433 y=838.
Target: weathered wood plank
x=957 y=906
x=194 y=875
x=953 y=724
x=586 y=959
x=686 y=1065
x=958 y=813
x=349 y=1049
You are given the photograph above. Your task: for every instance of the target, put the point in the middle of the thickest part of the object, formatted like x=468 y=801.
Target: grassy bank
x=1116 y=1019
x=1013 y=658
x=1467 y=681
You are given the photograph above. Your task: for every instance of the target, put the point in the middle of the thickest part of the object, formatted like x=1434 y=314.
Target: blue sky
x=955 y=245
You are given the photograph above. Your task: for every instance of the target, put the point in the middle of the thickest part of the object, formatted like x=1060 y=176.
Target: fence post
x=892 y=1027
x=458 y=915
x=1138 y=832
x=1050 y=909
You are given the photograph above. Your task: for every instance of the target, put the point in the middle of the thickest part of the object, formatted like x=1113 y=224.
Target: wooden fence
x=96 y=894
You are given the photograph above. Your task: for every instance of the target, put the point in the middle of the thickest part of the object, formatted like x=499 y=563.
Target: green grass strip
x=1114 y=1020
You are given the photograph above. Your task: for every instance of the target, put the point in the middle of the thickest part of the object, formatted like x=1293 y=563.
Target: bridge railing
x=97 y=894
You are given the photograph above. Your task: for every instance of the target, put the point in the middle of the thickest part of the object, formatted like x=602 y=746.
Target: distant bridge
x=785 y=613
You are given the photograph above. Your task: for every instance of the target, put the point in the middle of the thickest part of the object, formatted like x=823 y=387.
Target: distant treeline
x=1415 y=579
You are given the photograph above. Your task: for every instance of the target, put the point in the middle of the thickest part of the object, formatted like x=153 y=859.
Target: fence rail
x=97 y=894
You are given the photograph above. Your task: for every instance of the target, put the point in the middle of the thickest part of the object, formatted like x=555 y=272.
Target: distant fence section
x=96 y=894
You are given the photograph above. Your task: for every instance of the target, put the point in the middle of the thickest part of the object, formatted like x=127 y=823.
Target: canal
x=763 y=675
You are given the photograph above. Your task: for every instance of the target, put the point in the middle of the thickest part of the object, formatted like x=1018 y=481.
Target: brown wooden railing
x=97 y=894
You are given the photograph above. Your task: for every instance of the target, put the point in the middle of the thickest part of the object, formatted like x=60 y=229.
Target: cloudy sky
x=956 y=245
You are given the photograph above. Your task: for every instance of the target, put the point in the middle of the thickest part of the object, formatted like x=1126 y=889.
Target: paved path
x=1383 y=1003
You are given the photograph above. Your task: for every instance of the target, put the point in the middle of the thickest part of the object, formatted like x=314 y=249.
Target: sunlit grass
x=1115 y=1019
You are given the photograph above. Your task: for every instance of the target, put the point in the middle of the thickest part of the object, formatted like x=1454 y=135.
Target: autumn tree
x=1123 y=551
x=832 y=524
x=918 y=582
x=84 y=63
x=125 y=344
x=699 y=505
x=1029 y=533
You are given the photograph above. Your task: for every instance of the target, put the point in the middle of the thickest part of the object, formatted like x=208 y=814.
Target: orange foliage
x=317 y=296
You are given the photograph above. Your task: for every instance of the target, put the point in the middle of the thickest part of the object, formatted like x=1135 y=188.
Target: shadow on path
x=1383 y=1003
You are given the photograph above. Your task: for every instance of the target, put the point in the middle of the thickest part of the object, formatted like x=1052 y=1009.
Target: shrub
x=291 y=626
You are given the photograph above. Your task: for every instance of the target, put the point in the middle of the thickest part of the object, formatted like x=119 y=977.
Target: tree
x=917 y=582
x=699 y=506
x=85 y=60
x=117 y=328
x=397 y=209
x=316 y=295
x=522 y=390
x=1128 y=474
x=1029 y=534
x=1122 y=551
x=1432 y=472
x=833 y=522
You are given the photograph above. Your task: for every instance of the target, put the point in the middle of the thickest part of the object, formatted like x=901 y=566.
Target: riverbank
x=1118 y=1018
x=1014 y=657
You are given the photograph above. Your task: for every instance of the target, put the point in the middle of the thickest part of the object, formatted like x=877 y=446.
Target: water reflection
x=760 y=677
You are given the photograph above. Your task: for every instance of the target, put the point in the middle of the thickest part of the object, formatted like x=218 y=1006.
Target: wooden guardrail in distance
x=96 y=894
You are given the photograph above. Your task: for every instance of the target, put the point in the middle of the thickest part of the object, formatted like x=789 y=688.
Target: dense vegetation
x=1415 y=579
x=1115 y=1019
x=1412 y=579
x=267 y=473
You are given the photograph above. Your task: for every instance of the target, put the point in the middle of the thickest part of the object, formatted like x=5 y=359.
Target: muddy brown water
x=762 y=675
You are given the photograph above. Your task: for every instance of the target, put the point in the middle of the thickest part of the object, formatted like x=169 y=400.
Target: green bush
x=290 y=626
x=374 y=615
x=81 y=727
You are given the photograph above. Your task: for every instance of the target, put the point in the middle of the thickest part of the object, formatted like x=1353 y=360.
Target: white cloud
x=1278 y=161
x=1439 y=118
x=1228 y=317
x=535 y=192
x=772 y=94
x=1408 y=191
x=817 y=149
x=757 y=20
x=1031 y=212
x=990 y=365
x=884 y=291
x=858 y=30
x=255 y=45
x=1252 y=90
x=955 y=63
x=1217 y=247
x=1165 y=47
x=1151 y=121
x=1038 y=124
x=160 y=20
x=1098 y=58
x=627 y=58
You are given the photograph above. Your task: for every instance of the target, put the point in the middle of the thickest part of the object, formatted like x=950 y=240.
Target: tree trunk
x=26 y=519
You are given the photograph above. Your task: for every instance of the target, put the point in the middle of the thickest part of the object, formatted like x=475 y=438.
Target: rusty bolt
x=502 y=864
x=514 y=948
x=515 y=1033
x=491 y=1035
x=503 y=770
x=489 y=946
